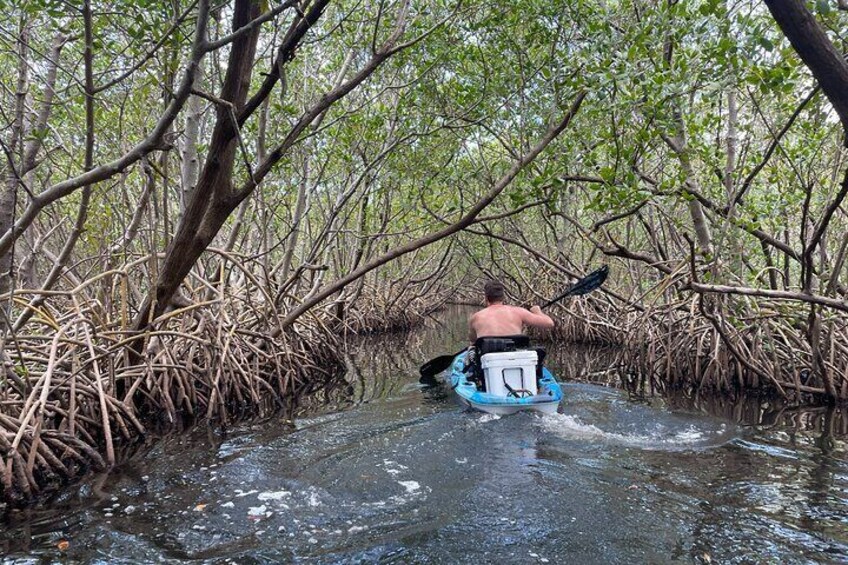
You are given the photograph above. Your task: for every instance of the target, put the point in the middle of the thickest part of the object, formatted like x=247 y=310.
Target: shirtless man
x=498 y=320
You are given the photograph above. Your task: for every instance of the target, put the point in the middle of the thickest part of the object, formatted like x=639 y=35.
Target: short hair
x=494 y=291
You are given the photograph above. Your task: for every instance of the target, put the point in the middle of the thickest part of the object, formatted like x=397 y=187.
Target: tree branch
x=152 y=142
x=816 y=50
x=462 y=223
x=833 y=303
x=246 y=28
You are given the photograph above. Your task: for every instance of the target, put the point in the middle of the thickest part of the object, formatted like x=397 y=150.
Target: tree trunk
x=813 y=46
x=299 y=209
x=207 y=209
x=696 y=211
x=678 y=145
x=215 y=198
x=13 y=158
x=190 y=163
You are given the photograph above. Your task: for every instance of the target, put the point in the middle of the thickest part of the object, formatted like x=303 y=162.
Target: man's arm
x=536 y=318
x=472 y=333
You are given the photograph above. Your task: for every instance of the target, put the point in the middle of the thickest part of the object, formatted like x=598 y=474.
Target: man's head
x=494 y=292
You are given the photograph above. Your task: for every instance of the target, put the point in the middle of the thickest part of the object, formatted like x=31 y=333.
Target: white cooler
x=515 y=368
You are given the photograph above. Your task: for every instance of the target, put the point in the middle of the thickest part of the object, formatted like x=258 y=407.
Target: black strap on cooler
x=510 y=389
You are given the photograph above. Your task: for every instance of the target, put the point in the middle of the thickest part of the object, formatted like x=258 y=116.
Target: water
x=389 y=472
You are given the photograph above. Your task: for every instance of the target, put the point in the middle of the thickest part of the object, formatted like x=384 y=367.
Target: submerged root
x=730 y=347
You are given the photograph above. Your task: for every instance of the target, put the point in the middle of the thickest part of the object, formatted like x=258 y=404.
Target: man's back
x=501 y=320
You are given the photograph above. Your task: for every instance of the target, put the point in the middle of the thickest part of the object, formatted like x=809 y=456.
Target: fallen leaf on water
x=63 y=544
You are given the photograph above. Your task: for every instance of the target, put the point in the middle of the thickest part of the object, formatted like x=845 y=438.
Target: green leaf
x=765 y=43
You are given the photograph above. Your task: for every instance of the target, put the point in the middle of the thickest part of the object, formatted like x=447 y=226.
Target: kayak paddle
x=584 y=286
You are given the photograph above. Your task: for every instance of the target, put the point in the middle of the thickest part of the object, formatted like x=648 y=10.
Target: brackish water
x=379 y=470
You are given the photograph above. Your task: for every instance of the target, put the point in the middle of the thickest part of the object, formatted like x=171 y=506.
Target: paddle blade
x=435 y=366
x=589 y=282
x=585 y=285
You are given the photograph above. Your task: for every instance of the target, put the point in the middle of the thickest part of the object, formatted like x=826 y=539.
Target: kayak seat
x=500 y=344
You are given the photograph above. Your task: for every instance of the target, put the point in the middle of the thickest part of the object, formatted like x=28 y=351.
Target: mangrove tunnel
x=254 y=220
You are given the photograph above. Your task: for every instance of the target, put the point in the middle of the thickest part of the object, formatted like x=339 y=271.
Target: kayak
x=546 y=400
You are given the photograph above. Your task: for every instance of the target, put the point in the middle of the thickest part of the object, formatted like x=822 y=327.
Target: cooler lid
x=517 y=357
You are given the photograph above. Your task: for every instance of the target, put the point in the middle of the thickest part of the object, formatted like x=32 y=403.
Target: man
x=498 y=319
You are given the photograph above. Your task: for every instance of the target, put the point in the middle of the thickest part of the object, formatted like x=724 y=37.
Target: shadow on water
x=375 y=468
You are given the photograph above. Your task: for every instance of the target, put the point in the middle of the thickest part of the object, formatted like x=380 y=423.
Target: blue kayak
x=546 y=400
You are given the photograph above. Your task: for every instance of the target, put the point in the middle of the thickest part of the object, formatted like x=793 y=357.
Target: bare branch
x=149 y=55
x=833 y=303
x=248 y=27
x=151 y=143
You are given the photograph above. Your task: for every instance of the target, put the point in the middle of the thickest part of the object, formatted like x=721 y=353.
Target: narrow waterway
x=378 y=469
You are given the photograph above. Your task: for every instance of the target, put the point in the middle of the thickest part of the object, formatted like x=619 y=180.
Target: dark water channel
x=379 y=470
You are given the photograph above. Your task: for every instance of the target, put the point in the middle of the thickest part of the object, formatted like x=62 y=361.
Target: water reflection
x=372 y=468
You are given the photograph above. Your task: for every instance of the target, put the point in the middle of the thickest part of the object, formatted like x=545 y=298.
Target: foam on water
x=410 y=486
x=484 y=418
x=275 y=495
x=571 y=427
